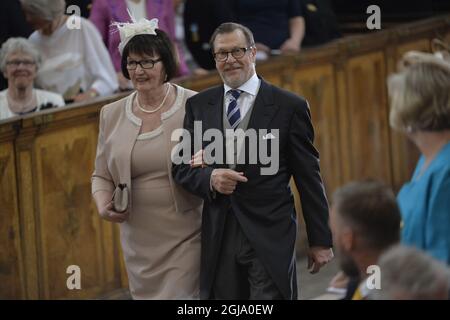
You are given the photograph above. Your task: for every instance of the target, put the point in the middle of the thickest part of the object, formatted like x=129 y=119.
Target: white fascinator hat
x=127 y=30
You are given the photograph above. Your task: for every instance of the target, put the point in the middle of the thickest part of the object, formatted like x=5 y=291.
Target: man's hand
x=318 y=257
x=225 y=180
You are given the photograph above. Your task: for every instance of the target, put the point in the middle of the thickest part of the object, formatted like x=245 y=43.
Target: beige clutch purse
x=120 y=198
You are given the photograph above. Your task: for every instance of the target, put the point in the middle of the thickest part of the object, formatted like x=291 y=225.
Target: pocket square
x=268 y=136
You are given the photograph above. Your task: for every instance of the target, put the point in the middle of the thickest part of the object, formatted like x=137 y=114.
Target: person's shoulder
x=437 y=180
x=287 y=97
x=35 y=36
x=86 y=23
x=116 y=108
x=441 y=165
x=88 y=28
x=287 y=101
x=187 y=93
x=207 y=94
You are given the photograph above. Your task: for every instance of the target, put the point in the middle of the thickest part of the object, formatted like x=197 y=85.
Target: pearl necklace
x=159 y=107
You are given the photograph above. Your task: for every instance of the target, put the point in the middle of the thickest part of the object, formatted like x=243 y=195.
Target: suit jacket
x=117 y=135
x=264 y=206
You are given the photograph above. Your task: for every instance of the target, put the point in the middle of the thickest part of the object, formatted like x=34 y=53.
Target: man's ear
x=253 y=51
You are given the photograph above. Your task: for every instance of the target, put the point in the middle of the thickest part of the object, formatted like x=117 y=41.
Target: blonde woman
x=420 y=108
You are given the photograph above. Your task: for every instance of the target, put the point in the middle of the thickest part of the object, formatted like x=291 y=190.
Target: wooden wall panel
x=69 y=227
x=26 y=192
x=317 y=85
x=11 y=264
x=368 y=118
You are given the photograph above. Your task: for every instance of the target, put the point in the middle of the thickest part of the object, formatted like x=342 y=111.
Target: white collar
x=250 y=87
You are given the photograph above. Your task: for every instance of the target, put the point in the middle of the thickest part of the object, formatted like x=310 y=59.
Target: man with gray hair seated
x=410 y=274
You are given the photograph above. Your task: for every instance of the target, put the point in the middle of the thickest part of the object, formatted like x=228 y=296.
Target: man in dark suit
x=249 y=223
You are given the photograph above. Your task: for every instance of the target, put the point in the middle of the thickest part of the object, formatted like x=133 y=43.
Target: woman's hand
x=107 y=212
x=197 y=160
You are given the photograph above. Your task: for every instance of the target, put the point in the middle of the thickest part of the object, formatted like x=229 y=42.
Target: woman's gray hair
x=13 y=45
x=45 y=9
x=408 y=273
x=420 y=94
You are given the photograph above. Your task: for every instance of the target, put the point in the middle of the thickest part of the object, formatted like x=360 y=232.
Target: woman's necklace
x=21 y=107
x=159 y=107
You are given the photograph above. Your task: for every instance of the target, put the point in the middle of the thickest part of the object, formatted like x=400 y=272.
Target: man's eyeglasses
x=145 y=64
x=237 y=53
x=17 y=63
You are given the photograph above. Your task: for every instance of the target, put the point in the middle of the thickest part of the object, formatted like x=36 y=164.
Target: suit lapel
x=264 y=108
x=214 y=113
x=213 y=118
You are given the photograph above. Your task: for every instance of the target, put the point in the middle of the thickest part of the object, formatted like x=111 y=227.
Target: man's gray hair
x=408 y=273
x=229 y=27
x=45 y=9
x=13 y=45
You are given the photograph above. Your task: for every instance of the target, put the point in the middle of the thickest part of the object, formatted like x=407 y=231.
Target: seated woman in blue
x=420 y=107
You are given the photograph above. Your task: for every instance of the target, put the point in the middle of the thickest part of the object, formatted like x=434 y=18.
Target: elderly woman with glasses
x=75 y=63
x=19 y=62
x=160 y=229
x=420 y=108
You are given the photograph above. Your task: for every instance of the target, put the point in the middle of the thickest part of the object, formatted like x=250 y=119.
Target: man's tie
x=233 y=113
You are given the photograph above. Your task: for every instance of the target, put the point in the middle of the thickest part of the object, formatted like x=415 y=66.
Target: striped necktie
x=233 y=113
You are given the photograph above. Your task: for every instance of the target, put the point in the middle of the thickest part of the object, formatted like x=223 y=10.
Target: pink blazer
x=104 y=12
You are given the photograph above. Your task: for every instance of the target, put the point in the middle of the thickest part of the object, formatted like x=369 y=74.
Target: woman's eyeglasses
x=145 y=64
x=17 y=63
